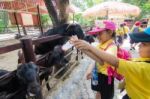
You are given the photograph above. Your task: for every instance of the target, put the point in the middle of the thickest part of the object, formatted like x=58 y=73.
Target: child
x=105 y=34
x=136 y=28
x=135 y=72
x=120 y=32
x=126 y=30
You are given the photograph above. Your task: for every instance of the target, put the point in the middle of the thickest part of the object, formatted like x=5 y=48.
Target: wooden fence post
x=39 y=19
x=24 y=30
x=27 y=48
x=17 y=24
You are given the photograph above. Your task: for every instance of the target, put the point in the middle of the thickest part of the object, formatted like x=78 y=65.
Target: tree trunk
x=52 y=12
x=62 y=5
x=57 y=11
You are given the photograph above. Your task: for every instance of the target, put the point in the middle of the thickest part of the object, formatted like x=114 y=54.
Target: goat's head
x=74 y=29
x=58 y=56
x=28 y=74
x=89 y=38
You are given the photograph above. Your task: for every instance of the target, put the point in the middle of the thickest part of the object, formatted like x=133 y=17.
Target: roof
x=22 y=6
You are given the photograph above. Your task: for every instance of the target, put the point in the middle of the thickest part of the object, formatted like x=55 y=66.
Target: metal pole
x=27 y=48
x=73 y=17
x=107 y=13
x=40 y=23
x=17 y=24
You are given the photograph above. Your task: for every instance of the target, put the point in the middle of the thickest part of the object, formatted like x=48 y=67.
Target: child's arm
x=111 y=59
x=83 y=45
x=91 y=55
x=89 y=71
x=90 y=67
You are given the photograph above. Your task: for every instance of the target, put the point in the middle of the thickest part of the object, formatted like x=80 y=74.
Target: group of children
x=123 y=30
x=135 y=71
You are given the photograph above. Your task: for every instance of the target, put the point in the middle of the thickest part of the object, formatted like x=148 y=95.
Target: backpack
x=122 y=54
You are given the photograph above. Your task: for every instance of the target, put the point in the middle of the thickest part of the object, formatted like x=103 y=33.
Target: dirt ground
x=8 y=61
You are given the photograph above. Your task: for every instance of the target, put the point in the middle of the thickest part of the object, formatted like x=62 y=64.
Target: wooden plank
x=17 y=24
x=9 y=48
x=18 y=11
x=16 y=46
x=46 y=39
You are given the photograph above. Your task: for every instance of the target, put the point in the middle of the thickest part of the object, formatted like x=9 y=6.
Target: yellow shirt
x=122 y=30
x=137 y=77
x=111 y=49
x=119 y=32
x=140 y=29
x=127 y=30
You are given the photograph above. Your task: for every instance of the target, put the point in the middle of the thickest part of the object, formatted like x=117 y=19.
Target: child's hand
x=80 y=44
x=73 y=39
x=88 y=75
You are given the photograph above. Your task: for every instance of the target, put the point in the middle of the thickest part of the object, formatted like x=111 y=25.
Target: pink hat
x=105 y=25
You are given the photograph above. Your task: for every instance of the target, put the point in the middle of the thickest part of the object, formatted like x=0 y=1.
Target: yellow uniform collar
x=141 y=59
x=105 y=45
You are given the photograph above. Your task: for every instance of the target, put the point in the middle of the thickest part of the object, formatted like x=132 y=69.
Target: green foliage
x=84 y=4
x=143 y=4
x=45 y=19
x=1 y=25
x=97 y=1
x=85 y=22
x=145 y=9
x=3 y=20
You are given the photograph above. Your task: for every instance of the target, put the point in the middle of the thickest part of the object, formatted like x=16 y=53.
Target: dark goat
x=3 y=72
x=53 y=61
x=65 y=30
x=20 y=83
x=89 y=38
x=53 y=54
x=54 y=57
x=58 y=58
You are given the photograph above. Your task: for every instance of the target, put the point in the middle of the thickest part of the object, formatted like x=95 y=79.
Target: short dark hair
x=113 y=34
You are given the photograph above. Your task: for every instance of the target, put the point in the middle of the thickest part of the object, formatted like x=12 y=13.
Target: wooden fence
x=27 y=44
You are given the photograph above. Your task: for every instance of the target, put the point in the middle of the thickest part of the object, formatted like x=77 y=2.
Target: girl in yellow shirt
x=105 y=36
x=136 y=72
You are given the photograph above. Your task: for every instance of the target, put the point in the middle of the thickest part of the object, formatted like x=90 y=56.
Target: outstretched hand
x=79 y=44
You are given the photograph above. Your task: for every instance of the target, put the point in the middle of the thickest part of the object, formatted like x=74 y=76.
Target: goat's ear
x=21 y=59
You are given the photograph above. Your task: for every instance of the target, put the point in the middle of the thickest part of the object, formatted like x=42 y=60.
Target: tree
x=45 y=20
x=84 y=4
x=143 y=4
x=57 y=11
x=3 y=20
x=145 y=10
